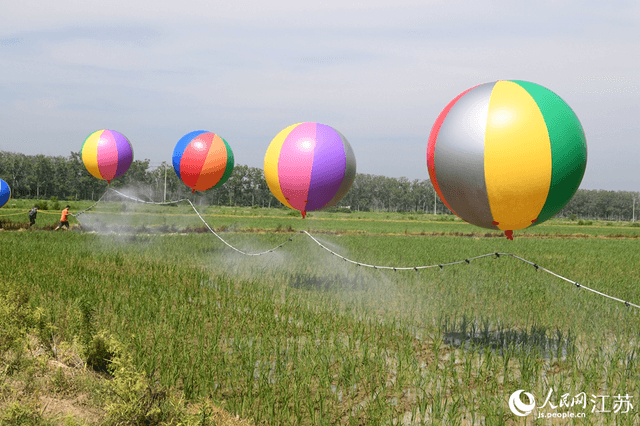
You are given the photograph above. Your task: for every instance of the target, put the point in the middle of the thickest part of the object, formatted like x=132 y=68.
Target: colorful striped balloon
x=506 y=155
x=202 y=160
x=5 y=193
x=107 y=154
x=309 y=166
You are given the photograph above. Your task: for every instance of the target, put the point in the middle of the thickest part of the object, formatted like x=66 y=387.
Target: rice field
x=301 y=337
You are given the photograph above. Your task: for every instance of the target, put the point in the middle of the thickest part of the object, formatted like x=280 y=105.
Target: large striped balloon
x=506 y=155
x=202 y=160
x=309 y=166
x=107 y=154
x=5 y=193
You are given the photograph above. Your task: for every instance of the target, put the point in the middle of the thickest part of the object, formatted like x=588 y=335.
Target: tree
x=66 y=177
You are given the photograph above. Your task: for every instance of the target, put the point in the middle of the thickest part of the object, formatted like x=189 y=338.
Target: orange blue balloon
x=107 y=154
x=506 y=155
x=202 y=160
x=5 y=193
x=309 y=166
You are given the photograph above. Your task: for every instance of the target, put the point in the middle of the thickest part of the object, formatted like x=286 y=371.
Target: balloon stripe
x=328 y=168
x=125 y=153
x=180 y=147
x=271 y=161
x=568 y=148
x=461 y=140
x=90 y=154
x=510 y=167
x=193 y=159
x=349 y=172
x=214 y=164
x=107 y=155
x=295 y=164
x=433 y=137
x=228 y=164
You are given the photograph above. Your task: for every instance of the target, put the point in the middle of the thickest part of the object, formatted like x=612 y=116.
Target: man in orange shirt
x=64 y=218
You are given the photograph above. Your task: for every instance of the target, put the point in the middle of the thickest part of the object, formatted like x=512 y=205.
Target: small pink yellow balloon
x=309 y=166
x=107 y=154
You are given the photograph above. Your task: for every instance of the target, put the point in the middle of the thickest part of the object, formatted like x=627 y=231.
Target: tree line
x=42 y=177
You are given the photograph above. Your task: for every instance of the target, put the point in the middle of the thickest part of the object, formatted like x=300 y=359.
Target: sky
x=380 y=72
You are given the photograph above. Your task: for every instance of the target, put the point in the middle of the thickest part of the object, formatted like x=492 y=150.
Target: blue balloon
x=5 y=193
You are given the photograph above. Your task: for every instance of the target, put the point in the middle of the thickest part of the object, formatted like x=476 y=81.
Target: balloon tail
x=108 y=180
x=509 y=234
x=304 y=213
x=193 y=191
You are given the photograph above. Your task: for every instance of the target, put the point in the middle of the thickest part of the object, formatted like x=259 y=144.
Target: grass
x=301 y=337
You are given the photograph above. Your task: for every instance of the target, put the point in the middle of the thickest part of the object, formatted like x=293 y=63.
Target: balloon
x=506 y=155
x=107 y=154
x=202 y=160
x=309 y=166
x=5 y=193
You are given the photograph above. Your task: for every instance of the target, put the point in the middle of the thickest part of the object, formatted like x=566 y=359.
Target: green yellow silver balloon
x=506 y=155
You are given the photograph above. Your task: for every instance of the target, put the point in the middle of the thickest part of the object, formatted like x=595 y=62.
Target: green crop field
x=301 y=337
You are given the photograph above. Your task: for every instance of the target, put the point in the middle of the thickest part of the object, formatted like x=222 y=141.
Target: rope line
x=205 y=223
x=15 y=214
x=578 y=285
x=232 y=247
x=91 y=206
x=39 y=212
x=143 y=201
x=468 y=261
x=394 y=268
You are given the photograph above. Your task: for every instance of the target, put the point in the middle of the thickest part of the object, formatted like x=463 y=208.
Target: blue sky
x=379 y=72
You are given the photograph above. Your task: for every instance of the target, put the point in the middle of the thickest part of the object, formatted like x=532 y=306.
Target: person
x=64 y=218
x=32 y=215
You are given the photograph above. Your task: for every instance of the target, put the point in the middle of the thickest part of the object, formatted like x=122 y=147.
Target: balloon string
x=229 y=245
x=203 y=221
x=93 y=205
x=394 y=268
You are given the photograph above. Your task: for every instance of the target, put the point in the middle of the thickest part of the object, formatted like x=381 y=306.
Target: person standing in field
x=32 y=215
x=64 y=218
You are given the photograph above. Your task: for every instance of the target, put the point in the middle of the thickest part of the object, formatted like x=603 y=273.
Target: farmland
x=299 y=336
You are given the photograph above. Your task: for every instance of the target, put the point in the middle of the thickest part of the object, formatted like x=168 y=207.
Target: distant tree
x=40 y=176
